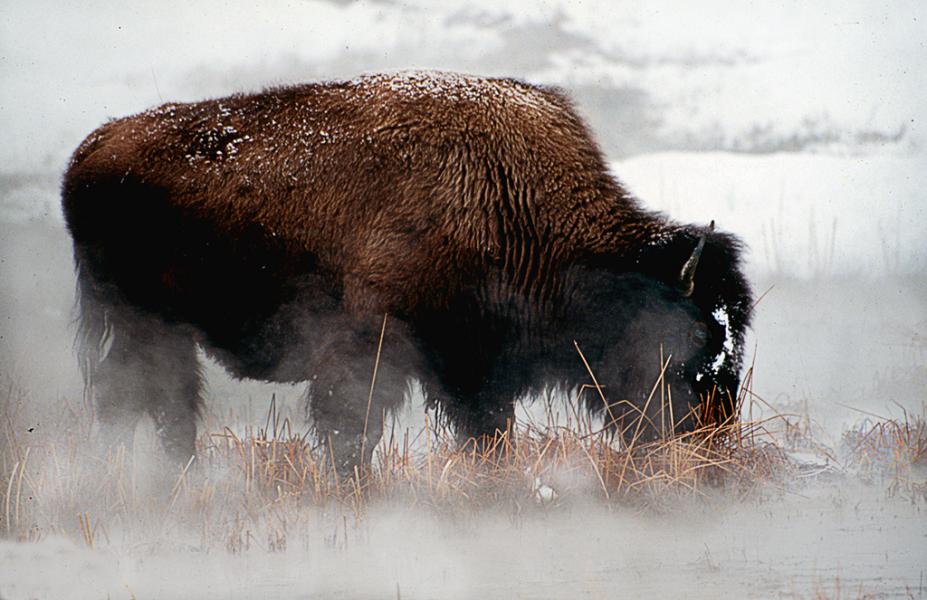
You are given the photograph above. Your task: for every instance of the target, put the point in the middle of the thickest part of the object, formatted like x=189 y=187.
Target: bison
x=278 y=230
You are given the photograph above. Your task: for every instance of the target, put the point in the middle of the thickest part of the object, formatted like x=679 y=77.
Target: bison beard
x=277 y=230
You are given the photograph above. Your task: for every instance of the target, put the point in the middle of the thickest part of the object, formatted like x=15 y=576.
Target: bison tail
x=94 y=323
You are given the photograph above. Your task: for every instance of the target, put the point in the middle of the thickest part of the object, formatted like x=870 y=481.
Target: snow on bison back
x=277 y=230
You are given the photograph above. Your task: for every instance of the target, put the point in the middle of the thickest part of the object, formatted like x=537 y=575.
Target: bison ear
x=687 y=275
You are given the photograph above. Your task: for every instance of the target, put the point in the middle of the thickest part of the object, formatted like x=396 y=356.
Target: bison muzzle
x=474 y=217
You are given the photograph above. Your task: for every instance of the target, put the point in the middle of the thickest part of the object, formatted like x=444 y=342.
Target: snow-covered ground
x=798 y=126
x=802 y=215
x=834 y=541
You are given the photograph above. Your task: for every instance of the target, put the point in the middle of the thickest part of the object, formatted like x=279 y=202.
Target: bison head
x=663 y=363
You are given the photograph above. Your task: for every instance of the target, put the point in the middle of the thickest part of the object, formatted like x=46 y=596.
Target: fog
x=797 y=127
x=819 y=544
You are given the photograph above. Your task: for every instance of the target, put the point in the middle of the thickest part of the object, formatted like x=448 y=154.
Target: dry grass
x=269 y=487
x=837 y=590
x=893 y=450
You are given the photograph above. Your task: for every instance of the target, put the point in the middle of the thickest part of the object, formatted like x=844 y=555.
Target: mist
x=798 y=128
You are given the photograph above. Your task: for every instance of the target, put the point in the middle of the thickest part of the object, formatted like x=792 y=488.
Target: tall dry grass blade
x=175 y=490
x=640 y=419
x=87 y=529
x=8 y=498
x=373 y=382
x=595 y=382
x=595 y=469
x=763 y=295
x=19 y=482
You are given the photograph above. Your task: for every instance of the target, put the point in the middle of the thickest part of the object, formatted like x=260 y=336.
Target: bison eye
x=699 y=333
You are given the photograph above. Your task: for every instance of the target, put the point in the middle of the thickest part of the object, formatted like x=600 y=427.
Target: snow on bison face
x=665 y=356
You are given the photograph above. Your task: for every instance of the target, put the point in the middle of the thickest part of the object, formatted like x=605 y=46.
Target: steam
x=827 y=192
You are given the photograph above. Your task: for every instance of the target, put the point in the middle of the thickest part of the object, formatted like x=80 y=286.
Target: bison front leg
x=485 y=418
x=473 y=388
x=482 y=414
x=351 y=391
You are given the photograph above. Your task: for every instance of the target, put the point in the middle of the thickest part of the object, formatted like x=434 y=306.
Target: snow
x=779 y=75
x=720 y=315
x=796 y=126
x=720 y=75
x=801 y=215
x=803 y=542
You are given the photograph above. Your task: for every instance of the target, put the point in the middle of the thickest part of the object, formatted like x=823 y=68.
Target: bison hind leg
x=136 y=364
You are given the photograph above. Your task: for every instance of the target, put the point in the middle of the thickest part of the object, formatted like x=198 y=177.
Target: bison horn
x=687 y=275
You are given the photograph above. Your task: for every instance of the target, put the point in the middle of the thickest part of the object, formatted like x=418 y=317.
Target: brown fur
x=418 y=195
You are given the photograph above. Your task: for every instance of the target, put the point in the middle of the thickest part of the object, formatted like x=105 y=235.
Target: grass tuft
x=272 y=487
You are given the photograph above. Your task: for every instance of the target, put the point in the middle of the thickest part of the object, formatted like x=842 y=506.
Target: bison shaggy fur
x=474 y=217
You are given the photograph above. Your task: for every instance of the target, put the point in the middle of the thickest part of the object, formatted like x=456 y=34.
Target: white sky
x=710 y=67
